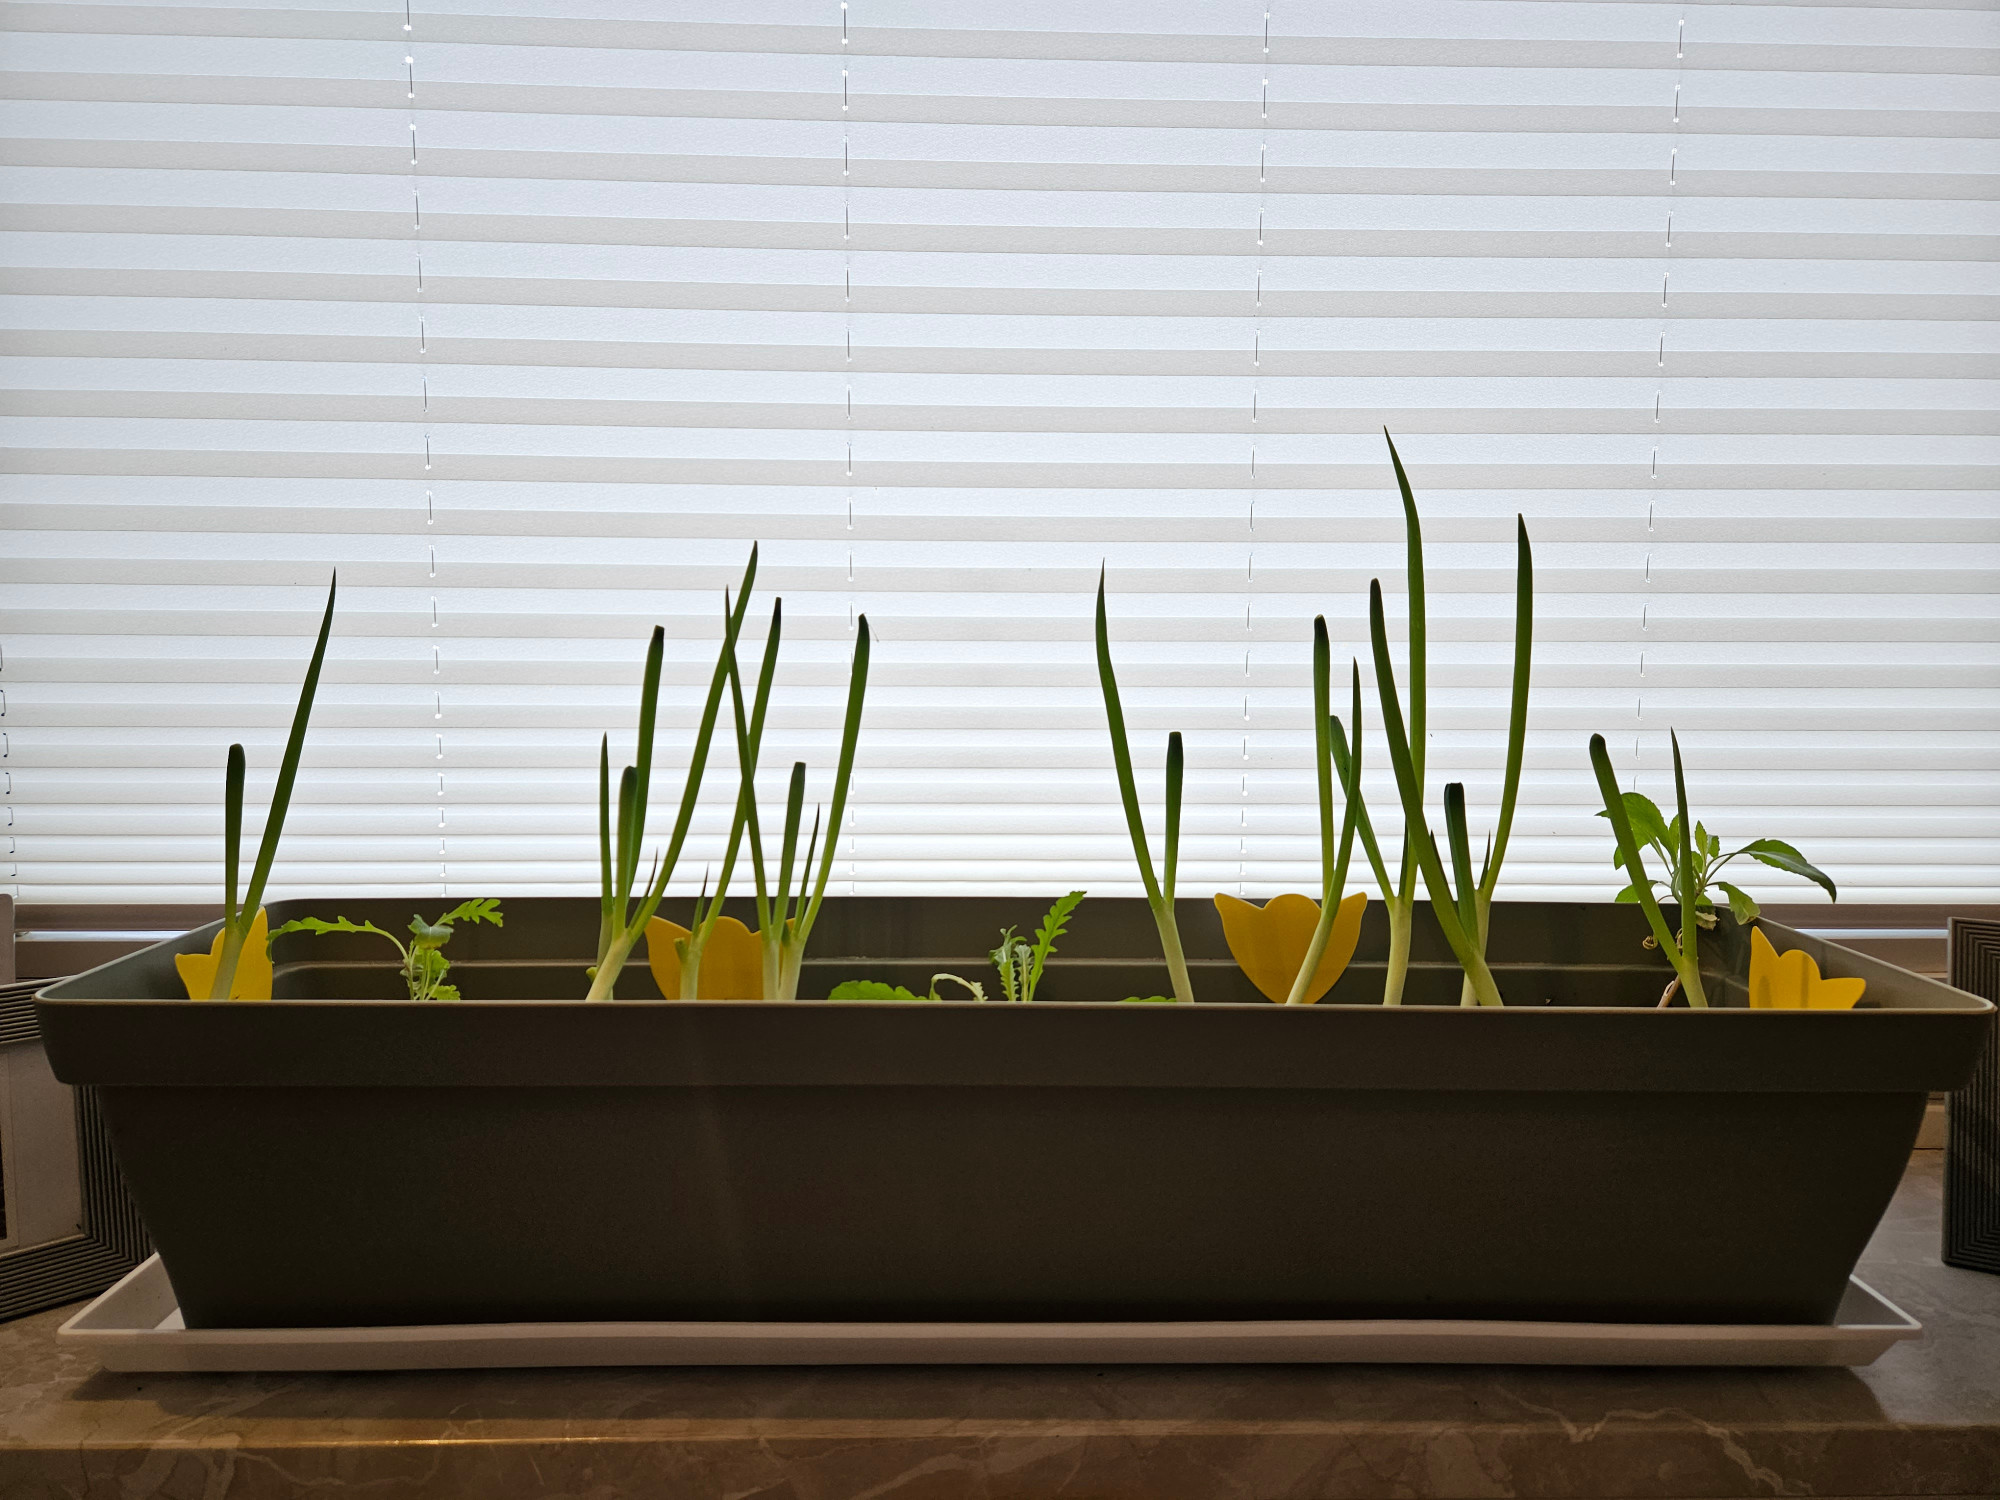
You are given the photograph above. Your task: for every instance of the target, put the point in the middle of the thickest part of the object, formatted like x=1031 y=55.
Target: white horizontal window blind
x=530 y=318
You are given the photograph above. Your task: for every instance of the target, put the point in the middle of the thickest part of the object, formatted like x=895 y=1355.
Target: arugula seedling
x=1020 y=962
x=238 y=920
x=1159 y=888
x=1693 y=860
x=423 y=962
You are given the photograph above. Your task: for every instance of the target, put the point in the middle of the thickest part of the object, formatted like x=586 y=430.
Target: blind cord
x=1659 y=401
x=424 y=398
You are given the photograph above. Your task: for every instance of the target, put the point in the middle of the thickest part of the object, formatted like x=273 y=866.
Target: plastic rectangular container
x=327 y=1160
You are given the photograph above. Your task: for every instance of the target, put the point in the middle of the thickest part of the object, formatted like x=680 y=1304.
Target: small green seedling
x=237 y=920
x=1020 y=962
x=625 y=906
x=874 y=989
x=423 y=962
x=1159 y=888
x=1692 y=858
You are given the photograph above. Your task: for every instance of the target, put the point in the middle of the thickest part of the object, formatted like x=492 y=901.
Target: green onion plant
x=1160 y=886
x=1399 y=896
x=238 y=919
x=784 y=920
x=708 y=905
x=1333 y=859
x=625 y=905
x=1467 y=900
x=1455 y=910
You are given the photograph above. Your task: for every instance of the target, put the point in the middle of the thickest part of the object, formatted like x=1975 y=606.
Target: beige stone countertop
x=1923 y=1420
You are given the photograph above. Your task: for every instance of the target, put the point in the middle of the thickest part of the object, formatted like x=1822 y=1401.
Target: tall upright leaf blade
x=1686 y=889
x=703 y=739
x=1628 y=848
x=1517 y=706
x=1348 y=763
x=1323 y=735
x=607 y=900
x=1413 y=564
x=843 y=776
x=288 y=769
x=1121 y=749
x=1458 y=835
x=795 y=802
x=649 y=712
x=1423 y=843
x=233 y=776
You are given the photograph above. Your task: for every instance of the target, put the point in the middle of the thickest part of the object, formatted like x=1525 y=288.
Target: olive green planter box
x=338 y=1158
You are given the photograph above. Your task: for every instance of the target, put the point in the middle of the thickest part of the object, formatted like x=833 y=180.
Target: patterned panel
x=113 y=1239
x=1972 y=1152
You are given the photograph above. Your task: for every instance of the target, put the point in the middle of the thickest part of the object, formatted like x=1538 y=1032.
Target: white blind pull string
x=1659 y=398
x=7 y=786
x=1256 y=417
x=424 y=420
x=847 y=319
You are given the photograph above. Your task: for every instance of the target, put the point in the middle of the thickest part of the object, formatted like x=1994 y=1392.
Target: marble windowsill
x=1924 y=1420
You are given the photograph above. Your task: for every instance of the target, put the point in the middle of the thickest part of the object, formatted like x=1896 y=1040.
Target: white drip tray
x=136 y=1325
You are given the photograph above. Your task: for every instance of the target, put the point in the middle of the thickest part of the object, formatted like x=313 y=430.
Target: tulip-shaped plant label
x=1269 y=942
x=1791 y=980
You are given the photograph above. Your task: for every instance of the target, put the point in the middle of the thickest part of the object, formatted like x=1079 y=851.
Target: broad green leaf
x=1632 y=893
x=1648 y=825
x=445 y=992
x=1741 y=906
x=1147 y=1000
x=430 y=936
x=1780 y=855
x=871 y=989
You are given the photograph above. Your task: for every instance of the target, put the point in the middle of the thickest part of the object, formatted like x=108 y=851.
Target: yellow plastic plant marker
x=1790 y=980
x=1269 y=942
x=732 y=960
x=253 y=969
